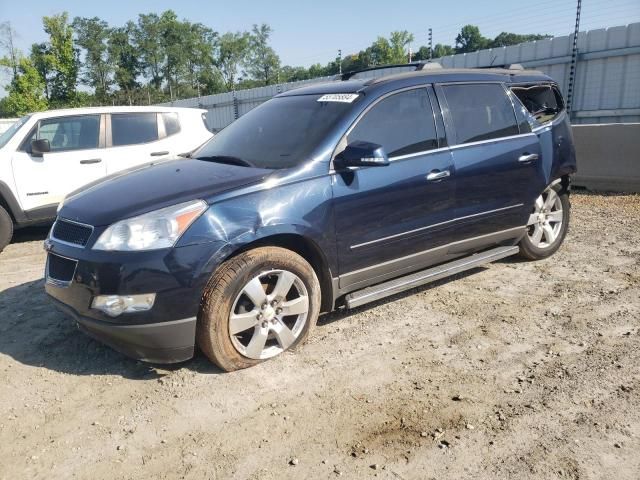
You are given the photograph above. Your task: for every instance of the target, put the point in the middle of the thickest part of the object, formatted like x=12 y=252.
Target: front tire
x=257 y=305
x=548 y=224
x=6 y=228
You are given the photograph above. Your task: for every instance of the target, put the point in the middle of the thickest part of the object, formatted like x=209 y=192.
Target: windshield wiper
x=227 y=160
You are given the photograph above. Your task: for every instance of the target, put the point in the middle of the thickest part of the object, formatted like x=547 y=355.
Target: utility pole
x=340 y=61
x=574 y=60
x=410 y=53
x=430 y=44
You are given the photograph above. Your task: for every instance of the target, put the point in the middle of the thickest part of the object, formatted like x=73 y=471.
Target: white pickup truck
x=45 y=155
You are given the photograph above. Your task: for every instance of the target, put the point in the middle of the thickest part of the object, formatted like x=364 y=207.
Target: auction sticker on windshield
x=338 y=97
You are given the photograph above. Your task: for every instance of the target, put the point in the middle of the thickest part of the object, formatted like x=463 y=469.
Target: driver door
x=74 y=160
x=391 y=219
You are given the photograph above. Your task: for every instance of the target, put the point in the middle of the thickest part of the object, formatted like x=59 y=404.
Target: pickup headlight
x=151 y=231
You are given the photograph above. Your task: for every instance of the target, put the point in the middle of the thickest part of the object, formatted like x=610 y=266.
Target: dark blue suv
x=331 y=195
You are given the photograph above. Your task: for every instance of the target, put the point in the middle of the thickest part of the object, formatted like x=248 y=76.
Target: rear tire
x=548 y=224
x=257 y=305
x=6 y=228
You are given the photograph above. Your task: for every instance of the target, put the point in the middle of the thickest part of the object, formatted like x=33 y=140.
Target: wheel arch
x=307 y=249
x=10 y=204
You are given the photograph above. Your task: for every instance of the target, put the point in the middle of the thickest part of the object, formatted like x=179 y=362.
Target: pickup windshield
x=280 y=133
x=8 y=134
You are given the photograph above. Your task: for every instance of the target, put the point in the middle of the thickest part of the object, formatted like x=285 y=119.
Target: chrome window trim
x=69 y=243
x=415 y=230
x=417 y=254
x=491 y=140
x=418 y=154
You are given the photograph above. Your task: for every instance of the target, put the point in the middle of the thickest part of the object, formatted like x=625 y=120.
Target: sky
x=307 y=32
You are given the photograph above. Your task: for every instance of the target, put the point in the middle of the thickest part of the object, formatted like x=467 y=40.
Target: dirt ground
x=518 y=370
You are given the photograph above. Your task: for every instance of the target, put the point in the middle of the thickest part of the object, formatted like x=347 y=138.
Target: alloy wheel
x=545 y=222
x=269 y=314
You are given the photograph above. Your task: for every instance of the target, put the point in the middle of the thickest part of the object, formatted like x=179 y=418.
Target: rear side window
x=544 y=102
x=402 y=123
x=480 y=112
x=68 y=133
x=133 y=128
x=171 y=123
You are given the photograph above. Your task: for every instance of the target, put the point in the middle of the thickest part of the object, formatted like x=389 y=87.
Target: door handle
x=528 y=157
x=90 y=161
x=159 y=154
x=438 y=175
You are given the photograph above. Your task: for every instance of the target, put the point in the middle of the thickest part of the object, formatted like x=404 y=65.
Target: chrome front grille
x=71 y=232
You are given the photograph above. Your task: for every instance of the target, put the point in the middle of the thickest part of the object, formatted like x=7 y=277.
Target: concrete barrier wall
x=608 y=157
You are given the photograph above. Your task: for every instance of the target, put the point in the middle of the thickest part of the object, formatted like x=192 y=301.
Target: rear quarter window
x=171 y=123
x=544 y=102
x=480 y=112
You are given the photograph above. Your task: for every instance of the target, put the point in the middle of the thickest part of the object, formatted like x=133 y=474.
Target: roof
x=440 y=75
x=88 y=110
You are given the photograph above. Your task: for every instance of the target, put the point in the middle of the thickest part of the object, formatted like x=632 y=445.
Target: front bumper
x=166 y=342
x=177 y=276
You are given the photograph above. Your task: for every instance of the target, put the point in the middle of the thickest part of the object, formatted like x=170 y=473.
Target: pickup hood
x=143 y=189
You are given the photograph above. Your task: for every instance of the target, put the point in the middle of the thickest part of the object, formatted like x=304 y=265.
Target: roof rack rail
x=421 y=65
x=506 y=66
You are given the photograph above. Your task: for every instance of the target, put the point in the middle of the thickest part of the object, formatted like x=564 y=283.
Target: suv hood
x=150 y=187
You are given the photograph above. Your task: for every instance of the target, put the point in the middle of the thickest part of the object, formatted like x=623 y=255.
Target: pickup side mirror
x=38 y=147
x=362 y=154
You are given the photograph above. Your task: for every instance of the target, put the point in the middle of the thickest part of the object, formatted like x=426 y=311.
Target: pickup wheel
x=6 y=228
x=547 y=225
x=256 y=306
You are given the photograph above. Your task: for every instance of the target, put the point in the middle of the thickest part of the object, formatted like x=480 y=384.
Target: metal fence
x=606 y=89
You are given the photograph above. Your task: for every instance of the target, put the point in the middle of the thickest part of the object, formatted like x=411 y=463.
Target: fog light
x=114 y=305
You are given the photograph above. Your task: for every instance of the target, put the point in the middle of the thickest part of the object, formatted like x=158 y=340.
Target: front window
x=402 y=123
x=11 y=131
x=69 y=133
x=280 y=133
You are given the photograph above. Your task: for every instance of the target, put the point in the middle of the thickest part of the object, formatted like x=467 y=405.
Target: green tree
x=62 y=57
x=199 y=43
x=399 y=42
x=505 y=39
x=7 y=44
x=470 y=40
x=262 y=62
x=441 y=50
x=149 y=43
x=92 y=34
x=42 y=63
x=26 y=91
x=123 y=56
x=233 y=49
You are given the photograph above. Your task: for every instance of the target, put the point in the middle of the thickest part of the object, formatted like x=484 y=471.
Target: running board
x=413 y=280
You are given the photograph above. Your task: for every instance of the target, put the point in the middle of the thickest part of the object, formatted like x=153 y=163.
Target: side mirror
x=362 y=154
x=38 y=147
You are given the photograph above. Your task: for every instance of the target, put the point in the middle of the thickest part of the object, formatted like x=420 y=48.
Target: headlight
x=151 y=231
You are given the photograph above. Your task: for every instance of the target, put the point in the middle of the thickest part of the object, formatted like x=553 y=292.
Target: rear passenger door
x=499 y=171
x=137 y=138
x=388 y=219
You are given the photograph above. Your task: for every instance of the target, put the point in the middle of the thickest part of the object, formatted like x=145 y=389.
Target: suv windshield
x=280 y=133
x=8 y=134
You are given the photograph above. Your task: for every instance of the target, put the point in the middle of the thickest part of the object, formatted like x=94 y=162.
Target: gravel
x=564 y=332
